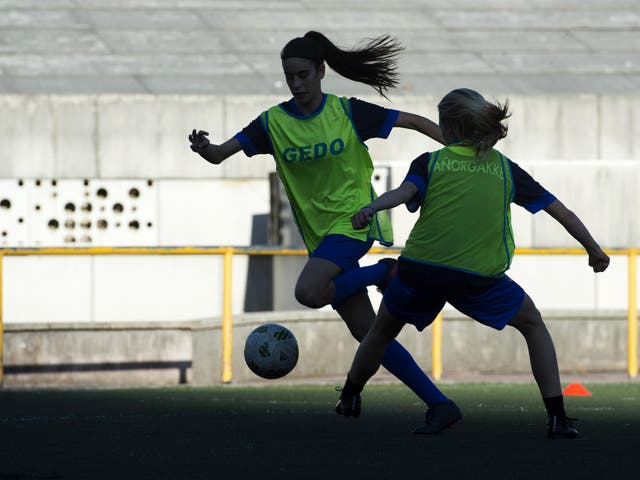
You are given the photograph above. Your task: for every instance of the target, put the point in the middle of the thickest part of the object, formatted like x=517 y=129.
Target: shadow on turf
x=293 y=432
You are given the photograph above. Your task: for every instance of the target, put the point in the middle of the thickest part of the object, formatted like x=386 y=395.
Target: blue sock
x=402 y=365
x=355 y=280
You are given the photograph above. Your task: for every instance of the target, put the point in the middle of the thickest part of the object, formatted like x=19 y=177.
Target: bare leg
x=372 y=348
x=544 y=366
x=315 y=287
x=542 y=354
x=357 y=312
x=442 y=413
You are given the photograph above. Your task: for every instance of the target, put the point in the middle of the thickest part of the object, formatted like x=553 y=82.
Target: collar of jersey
x=465 y=150
x=294 y=112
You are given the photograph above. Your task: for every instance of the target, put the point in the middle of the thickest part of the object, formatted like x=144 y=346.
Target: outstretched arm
x=598 y=260
x=215 y=154
x=389 y=199
x=421 y=124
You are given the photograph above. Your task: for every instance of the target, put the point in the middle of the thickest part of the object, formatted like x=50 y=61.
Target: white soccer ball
x=271 y=351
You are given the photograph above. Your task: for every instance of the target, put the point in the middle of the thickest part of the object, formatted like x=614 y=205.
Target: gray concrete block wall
x=141 y=137
x=619 y=127
x=120 y=136
x=48 y=137
x=97 y=354
x=602 y=194
x=166 y=353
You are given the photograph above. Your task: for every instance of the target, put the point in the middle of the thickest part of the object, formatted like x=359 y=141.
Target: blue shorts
x=490 y=301
x=341 y=250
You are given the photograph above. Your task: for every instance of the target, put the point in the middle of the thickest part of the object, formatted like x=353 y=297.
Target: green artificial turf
x=291 y=431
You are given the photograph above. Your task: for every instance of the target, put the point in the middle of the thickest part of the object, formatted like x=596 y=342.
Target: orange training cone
x=576 y=390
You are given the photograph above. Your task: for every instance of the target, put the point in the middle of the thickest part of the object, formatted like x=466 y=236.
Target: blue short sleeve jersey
x=369 y=120
x=528 y=193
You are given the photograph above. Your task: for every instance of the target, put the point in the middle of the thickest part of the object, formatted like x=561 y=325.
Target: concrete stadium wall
x=145 y=136
x=585 y=148
x=165 y=353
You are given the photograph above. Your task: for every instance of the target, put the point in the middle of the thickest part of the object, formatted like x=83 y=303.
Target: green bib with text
x=326 y=171
x=465 y=219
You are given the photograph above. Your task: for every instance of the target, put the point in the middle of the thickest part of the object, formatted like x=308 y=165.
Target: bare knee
x=314 y=288
x=358 y=314
x=528 y=319
x=384 y=330
x=381 y=329
x=358 y=323
x=358 y=331
x=312 y=297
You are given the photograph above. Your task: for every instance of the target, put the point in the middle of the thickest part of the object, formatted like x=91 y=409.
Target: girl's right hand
x=362 y=218
x=199 y=141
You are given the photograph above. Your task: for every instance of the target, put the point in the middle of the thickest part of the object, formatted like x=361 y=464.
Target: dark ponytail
x=373 y=64
x=466 y=117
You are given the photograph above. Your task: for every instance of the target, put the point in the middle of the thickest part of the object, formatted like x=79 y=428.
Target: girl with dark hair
x=462 y=245
x=317 y=141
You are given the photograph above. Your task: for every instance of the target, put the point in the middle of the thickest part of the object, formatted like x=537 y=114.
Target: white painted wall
x=124 y=288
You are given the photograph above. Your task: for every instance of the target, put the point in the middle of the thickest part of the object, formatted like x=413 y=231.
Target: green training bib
x=326 y=171
x=465 y=219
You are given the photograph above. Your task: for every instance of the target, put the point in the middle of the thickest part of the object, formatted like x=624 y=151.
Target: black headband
x=303 y=48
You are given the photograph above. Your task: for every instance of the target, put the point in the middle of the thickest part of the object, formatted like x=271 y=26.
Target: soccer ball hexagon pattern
x=271 y=351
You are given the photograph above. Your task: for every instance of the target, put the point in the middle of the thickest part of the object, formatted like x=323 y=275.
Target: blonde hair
x=466 y=117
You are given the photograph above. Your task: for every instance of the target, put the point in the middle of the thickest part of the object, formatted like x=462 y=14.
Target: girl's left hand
x=362 y=218
x=598 y=260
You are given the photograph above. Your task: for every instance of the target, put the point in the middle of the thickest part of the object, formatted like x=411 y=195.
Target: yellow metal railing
x=632 y=316
x=227 y=315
